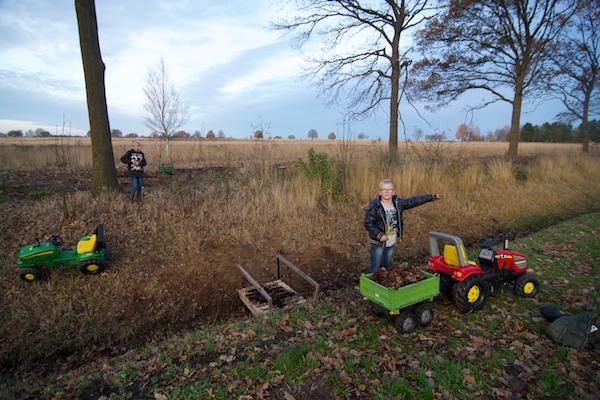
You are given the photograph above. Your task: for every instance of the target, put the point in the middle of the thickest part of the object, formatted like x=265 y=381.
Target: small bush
x=521 y=175
x=166 y=169
x=327 y=171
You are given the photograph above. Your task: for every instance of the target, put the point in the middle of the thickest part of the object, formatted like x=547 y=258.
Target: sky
x=227 y=65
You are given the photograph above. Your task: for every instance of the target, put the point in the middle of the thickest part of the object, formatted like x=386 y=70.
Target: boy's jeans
x=380 y=257
x=136 y=184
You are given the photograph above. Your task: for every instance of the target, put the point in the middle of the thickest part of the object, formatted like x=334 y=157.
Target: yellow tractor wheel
x=470 y=294
x=30 y=275
x=527 y=285
x=92 y=267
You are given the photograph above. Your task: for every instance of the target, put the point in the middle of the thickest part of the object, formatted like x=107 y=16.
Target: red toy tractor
x=470 y=284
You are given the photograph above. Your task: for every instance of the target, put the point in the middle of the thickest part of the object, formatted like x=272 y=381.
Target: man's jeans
x=380 y=257
x=136 y=184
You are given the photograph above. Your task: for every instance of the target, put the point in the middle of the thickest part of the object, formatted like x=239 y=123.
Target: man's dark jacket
x=375 y=215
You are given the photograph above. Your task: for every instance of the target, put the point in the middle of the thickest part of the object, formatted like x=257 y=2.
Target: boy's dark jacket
x=375 y=215
x=128 y=157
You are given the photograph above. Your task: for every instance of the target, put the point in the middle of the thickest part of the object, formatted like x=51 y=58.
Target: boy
x=383 y=221
x=136 y=162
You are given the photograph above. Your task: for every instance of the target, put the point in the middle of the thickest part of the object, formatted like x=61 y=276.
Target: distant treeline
x=550 y=132
x=558 y=132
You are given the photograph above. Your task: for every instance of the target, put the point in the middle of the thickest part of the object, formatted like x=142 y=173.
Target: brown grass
x=32 y=153
x=172 y=258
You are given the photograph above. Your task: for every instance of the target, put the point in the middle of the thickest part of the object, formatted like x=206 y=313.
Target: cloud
x=39 y=81
x=189 y=54
x=278 y=67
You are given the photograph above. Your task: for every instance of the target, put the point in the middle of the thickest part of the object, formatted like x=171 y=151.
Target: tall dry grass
x=32 y=153
x=172 y=258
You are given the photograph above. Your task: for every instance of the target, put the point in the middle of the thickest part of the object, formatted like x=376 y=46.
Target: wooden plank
x=255 y=284
x=254 y=310
x=248 y=296
x=300 y=273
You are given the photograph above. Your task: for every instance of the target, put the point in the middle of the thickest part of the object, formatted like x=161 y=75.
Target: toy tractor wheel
x=470 y=294
x=30 y=274
x=527 y=285
x=92 y=267
x=424 y=313
x=405 y=322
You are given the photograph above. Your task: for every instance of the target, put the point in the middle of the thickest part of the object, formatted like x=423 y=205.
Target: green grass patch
x=553 y=385
x=294 y=361
x=38 y=194
x=398 y=388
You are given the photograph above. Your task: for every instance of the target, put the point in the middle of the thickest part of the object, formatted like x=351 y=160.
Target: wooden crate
x=261 y=298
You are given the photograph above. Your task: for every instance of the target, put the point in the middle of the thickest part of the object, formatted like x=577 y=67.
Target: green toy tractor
x=89 y=255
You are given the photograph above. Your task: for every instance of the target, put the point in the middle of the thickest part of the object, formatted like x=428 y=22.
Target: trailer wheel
x=470 y=294
x=424 y=313
x=92 y=267
x=30 y=275
x=405 y=322
x=527 y=285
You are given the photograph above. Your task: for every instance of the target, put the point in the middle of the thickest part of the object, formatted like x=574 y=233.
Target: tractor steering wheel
x=55 y=240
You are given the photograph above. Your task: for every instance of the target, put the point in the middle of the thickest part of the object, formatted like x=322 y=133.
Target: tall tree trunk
x=393 y=143
x=585 y=135
x=104 y=174
x=515 y=122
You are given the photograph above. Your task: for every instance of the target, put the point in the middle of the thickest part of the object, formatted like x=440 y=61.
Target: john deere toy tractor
x=89 y=255
x=469 y=284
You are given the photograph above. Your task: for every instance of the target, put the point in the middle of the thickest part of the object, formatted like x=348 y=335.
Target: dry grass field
x=32 y=153
x=172 y=258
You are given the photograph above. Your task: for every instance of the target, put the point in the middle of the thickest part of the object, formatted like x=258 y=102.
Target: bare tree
x=164 y=112
x=312 y=134
x=498 y=46
x=104 y=173
x=577 y=62
x=261 y=128
x=368 y=73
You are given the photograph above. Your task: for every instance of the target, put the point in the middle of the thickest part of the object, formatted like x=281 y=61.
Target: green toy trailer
x=409 y=305
x=89 y=255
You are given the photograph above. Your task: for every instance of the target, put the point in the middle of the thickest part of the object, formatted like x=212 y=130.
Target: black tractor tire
x=405 y=322
x=470 y=294
x=30 y=275
x=527 y=285
x=424 y=313
x=377 y=310
x=92 y=267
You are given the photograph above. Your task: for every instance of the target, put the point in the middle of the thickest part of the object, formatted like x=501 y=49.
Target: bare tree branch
x=576 y=80
x=361 y=61
x=164 y=112
x=500 y=46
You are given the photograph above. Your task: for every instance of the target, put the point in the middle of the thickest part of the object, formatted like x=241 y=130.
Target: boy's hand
x=383 y=238
x=438 y=196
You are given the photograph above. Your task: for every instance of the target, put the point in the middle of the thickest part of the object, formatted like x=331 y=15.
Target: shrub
x=166 y=169
x=327 y=171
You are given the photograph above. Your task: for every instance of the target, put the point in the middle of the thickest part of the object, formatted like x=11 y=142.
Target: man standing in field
x=383 y=221
x=136 y=161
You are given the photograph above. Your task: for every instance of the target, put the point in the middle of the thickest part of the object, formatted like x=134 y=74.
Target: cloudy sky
x=227 y=65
